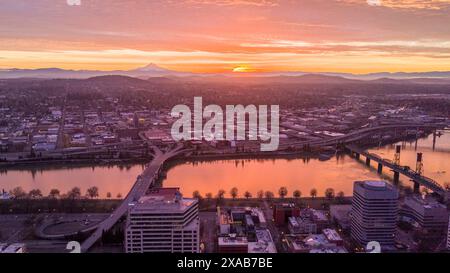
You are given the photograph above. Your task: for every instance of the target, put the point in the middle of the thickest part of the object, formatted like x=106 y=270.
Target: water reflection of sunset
x=269 y=175
x=108 y=179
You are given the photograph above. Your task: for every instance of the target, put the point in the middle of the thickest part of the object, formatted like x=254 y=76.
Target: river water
x=436 y=162
x=253 y=175
x=338 y=173
x=113 y=179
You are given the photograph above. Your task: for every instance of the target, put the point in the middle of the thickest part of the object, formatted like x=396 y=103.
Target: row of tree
x=93 y=193
x=74 y=193
x=282 y=193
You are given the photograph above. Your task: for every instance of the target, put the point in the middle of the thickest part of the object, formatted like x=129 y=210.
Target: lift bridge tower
x=419 y=170
x=419 y=164
x=398 y=148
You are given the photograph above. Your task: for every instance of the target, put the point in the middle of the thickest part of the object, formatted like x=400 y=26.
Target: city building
x=264 y=243
x=163 y=221
x=374 y=213
x=448 y=236
x=309 y=221
x=12 y=248
x=232 y=244
x=327 y=242
x=318 y=217
x=333 y=237
x=425 y=214
x=243 y=230
x=282 y=212
x=340 y=215
x=298 y=225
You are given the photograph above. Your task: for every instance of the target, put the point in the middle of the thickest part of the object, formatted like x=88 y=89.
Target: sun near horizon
x=243 y=69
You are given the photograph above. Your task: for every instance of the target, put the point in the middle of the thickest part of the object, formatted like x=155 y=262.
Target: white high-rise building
x=163 y=221
x=374 y=213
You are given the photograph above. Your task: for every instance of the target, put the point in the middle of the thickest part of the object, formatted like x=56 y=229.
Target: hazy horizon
x=156 y=66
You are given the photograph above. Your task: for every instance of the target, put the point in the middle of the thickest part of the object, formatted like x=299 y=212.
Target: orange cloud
x=405 y=4
x=258 y=3
x=212 y=36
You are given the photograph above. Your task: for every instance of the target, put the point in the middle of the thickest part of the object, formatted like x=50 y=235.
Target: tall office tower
x=163 y=221
x=374 y=213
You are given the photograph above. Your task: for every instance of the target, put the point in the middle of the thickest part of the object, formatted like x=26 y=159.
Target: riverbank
x=55 y=206
x=324 y=153
x=20 y=165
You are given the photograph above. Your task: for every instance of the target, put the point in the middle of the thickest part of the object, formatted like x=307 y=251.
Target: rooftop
x=163 y=199
x=331 y=235
x=376 y=187
x=232 y=241
x=427 y=202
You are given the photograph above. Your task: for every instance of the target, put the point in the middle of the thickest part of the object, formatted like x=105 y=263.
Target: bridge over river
x=416 y=177
x=139 y=189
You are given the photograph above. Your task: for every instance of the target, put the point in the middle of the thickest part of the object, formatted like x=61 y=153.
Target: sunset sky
x=355 y=36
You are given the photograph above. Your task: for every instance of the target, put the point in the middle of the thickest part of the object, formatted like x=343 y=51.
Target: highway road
x=361 y=133
x=139 y=189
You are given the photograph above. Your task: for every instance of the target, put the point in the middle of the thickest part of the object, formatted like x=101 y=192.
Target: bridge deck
x=139 y=189
x=406 y=171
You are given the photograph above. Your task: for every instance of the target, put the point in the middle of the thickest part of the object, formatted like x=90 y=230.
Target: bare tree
x=35 y=194
x=234 y=192
x=269 y=195
x=108 y=195
x=197 y=195
x=297 y=194
x=260 y=194
x=313 y=193
x=282 y=192
x=209 y=196
x=54 y=193
x=221 y=194
x=329 y=193
x=248 y=195
x=18 y=193
x=74 y=193
x=92 y=192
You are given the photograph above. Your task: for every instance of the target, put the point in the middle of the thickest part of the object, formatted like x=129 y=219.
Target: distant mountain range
x=152 y=71
x=148 y=71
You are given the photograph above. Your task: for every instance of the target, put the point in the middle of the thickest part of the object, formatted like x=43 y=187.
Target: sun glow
x=242 y=69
